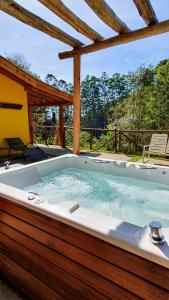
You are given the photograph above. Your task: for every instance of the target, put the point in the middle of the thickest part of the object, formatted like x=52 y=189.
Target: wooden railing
x=49 y=131
x=135 y=138
x=118 y=140
x=92 y=133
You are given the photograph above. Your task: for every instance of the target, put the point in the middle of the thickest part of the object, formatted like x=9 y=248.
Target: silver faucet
x=6 y=164
x=156 y=236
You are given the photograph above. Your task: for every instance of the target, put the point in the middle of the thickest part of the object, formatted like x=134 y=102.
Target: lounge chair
x=158 y=146
x=29 y=152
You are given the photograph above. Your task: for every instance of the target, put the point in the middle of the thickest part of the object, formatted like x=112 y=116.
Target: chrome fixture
x=32 y=195
x=99 y=161
x=39 y=200
x=156 y=236
x=151 y=168
x=143 y=167
x=6 y=164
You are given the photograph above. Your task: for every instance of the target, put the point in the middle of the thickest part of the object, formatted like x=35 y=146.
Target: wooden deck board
x=139 y=266
x=91 y=279
x=83 y=266
x=57 y=279
x=26 y=281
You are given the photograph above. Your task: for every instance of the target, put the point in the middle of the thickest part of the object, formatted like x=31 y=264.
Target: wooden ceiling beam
x=38 y=101
x=62 y=11
x=45 y=95
x=28 y=81
x=146 y=11
x=107 y=15
x=15 y=10
x=135 y=35
x=45 y=104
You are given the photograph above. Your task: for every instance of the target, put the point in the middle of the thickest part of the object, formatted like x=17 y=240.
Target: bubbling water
x=132 y=200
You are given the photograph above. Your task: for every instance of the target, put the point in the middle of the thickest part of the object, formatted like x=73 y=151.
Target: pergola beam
x=69 y=17
x=107 y=15
x=146 y=32
x=15 y=10
x=146 y=11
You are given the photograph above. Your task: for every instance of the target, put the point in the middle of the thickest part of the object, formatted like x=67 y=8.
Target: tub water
x=133 y=200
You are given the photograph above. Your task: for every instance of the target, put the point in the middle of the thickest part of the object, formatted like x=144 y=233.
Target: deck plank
x=72 y=263
x=25 y=281
x=141 y=267
x=93 y=280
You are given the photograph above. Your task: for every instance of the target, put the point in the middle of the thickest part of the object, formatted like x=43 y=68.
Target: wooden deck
x=50 y=260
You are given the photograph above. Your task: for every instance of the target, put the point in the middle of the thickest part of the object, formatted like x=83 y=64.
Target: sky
x=41 y=50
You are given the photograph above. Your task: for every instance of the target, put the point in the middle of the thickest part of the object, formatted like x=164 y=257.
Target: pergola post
x=76 y=105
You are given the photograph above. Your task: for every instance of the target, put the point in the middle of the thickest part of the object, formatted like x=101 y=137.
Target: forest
x=137 y=100
x=133 y=101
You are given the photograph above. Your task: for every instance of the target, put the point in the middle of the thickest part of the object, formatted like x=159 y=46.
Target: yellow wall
x=13 y=122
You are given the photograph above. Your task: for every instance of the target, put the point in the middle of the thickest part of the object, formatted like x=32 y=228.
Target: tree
x=133 y=111
x=19 y=60
x=160 y=95
x=66 y=87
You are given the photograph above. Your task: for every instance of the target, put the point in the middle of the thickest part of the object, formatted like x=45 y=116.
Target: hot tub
x=107 y=203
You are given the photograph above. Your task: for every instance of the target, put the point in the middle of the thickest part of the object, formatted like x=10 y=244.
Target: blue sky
x=41 y=50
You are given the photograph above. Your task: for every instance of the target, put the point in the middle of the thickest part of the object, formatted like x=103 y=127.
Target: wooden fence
x=117 y=139
x=135 y=138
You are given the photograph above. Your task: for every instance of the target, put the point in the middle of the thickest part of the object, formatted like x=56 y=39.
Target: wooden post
x=60 y=131
x=91 y=139
x=61 y=126
x=120 y=142
x=76 y=105
x=115 y=140
x=57 y=135
x=30 y=123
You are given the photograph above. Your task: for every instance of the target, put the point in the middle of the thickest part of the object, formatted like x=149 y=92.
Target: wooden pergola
x=107 y=15
x=39 y=94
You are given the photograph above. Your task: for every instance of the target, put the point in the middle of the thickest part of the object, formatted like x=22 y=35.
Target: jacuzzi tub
x=117 y=232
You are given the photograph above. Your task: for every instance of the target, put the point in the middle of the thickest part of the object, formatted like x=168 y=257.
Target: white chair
x=167 y=149
x=158 y=146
